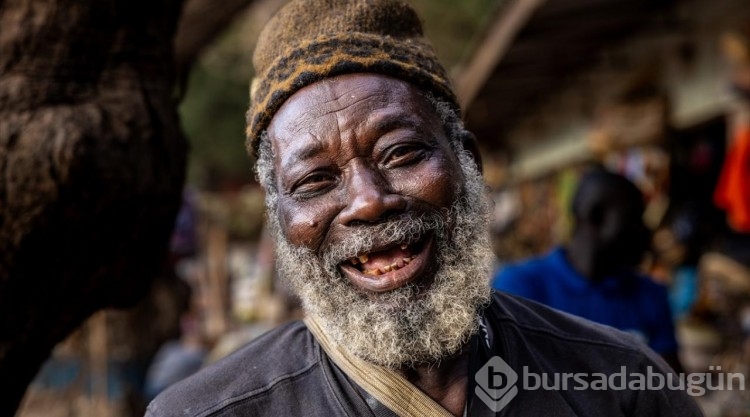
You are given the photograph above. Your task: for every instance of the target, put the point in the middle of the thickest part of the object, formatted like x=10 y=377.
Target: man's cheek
x=301 y=227
x=432 y=183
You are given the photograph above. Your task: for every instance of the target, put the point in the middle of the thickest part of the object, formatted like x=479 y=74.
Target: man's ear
x=470 y=144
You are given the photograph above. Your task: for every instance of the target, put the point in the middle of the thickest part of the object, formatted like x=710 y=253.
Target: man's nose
x=370 y=198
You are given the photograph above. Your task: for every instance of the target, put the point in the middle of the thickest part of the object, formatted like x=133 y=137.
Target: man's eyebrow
x=304 y=152
x=388 y=124
x=380 y=126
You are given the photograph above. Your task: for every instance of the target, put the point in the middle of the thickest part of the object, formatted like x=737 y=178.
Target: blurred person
x=595 y=275
x=380 y=218
x=178 y=358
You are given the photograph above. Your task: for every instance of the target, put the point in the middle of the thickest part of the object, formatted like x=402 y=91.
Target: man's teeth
x=390 y=268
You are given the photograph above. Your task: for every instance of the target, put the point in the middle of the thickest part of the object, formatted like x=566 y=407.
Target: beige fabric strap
x=387 y=386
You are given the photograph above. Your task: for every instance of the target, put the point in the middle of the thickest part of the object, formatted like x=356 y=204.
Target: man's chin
x=394 y=306
x=403 y=327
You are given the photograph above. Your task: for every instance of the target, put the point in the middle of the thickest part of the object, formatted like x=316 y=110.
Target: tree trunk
x=92 y=164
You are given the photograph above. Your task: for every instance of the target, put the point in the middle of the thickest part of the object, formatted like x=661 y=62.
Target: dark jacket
x=286 y=373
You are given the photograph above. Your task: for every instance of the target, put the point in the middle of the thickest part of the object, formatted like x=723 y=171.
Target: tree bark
x=92 y=163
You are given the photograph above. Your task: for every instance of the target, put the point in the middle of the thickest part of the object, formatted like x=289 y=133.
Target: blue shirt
x=633 y=303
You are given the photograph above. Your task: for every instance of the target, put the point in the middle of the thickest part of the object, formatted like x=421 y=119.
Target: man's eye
x=314 y=183
x=404 y=155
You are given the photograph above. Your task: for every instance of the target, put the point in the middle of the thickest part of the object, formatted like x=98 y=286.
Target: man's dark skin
x=609 y=234
x=357 y=149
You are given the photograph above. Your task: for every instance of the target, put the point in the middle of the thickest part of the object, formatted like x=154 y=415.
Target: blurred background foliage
x=213 y=108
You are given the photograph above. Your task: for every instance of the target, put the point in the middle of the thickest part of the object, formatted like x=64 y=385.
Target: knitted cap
x=310 y=40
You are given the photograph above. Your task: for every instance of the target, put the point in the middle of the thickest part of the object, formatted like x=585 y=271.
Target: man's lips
x=388 y=269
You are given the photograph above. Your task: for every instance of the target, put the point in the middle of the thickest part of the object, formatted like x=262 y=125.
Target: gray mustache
x=406 y=228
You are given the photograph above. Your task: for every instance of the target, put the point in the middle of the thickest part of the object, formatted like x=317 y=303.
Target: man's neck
x=444 y=383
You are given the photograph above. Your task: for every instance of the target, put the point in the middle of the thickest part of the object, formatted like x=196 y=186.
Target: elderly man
x=380 y=218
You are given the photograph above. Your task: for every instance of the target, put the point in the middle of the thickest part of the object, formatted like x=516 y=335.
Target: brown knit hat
x=310 y=40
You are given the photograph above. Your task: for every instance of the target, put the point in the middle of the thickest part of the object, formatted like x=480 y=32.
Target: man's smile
x=390 y=267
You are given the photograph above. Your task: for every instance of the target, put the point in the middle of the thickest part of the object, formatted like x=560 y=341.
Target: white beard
x=409 y=325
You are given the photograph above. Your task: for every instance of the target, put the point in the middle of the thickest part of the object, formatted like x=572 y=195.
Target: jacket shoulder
x=274 y=359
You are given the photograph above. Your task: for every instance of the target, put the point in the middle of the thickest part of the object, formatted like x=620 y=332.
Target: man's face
x=354 y=151
x=381 y=227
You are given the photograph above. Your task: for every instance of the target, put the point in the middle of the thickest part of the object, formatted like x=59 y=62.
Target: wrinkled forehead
x=350 y=102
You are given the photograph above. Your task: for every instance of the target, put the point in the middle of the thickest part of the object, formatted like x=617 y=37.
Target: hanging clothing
x=732 y=192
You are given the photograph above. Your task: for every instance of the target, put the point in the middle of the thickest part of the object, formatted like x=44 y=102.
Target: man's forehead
x=376 y=100
x=341 y=91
